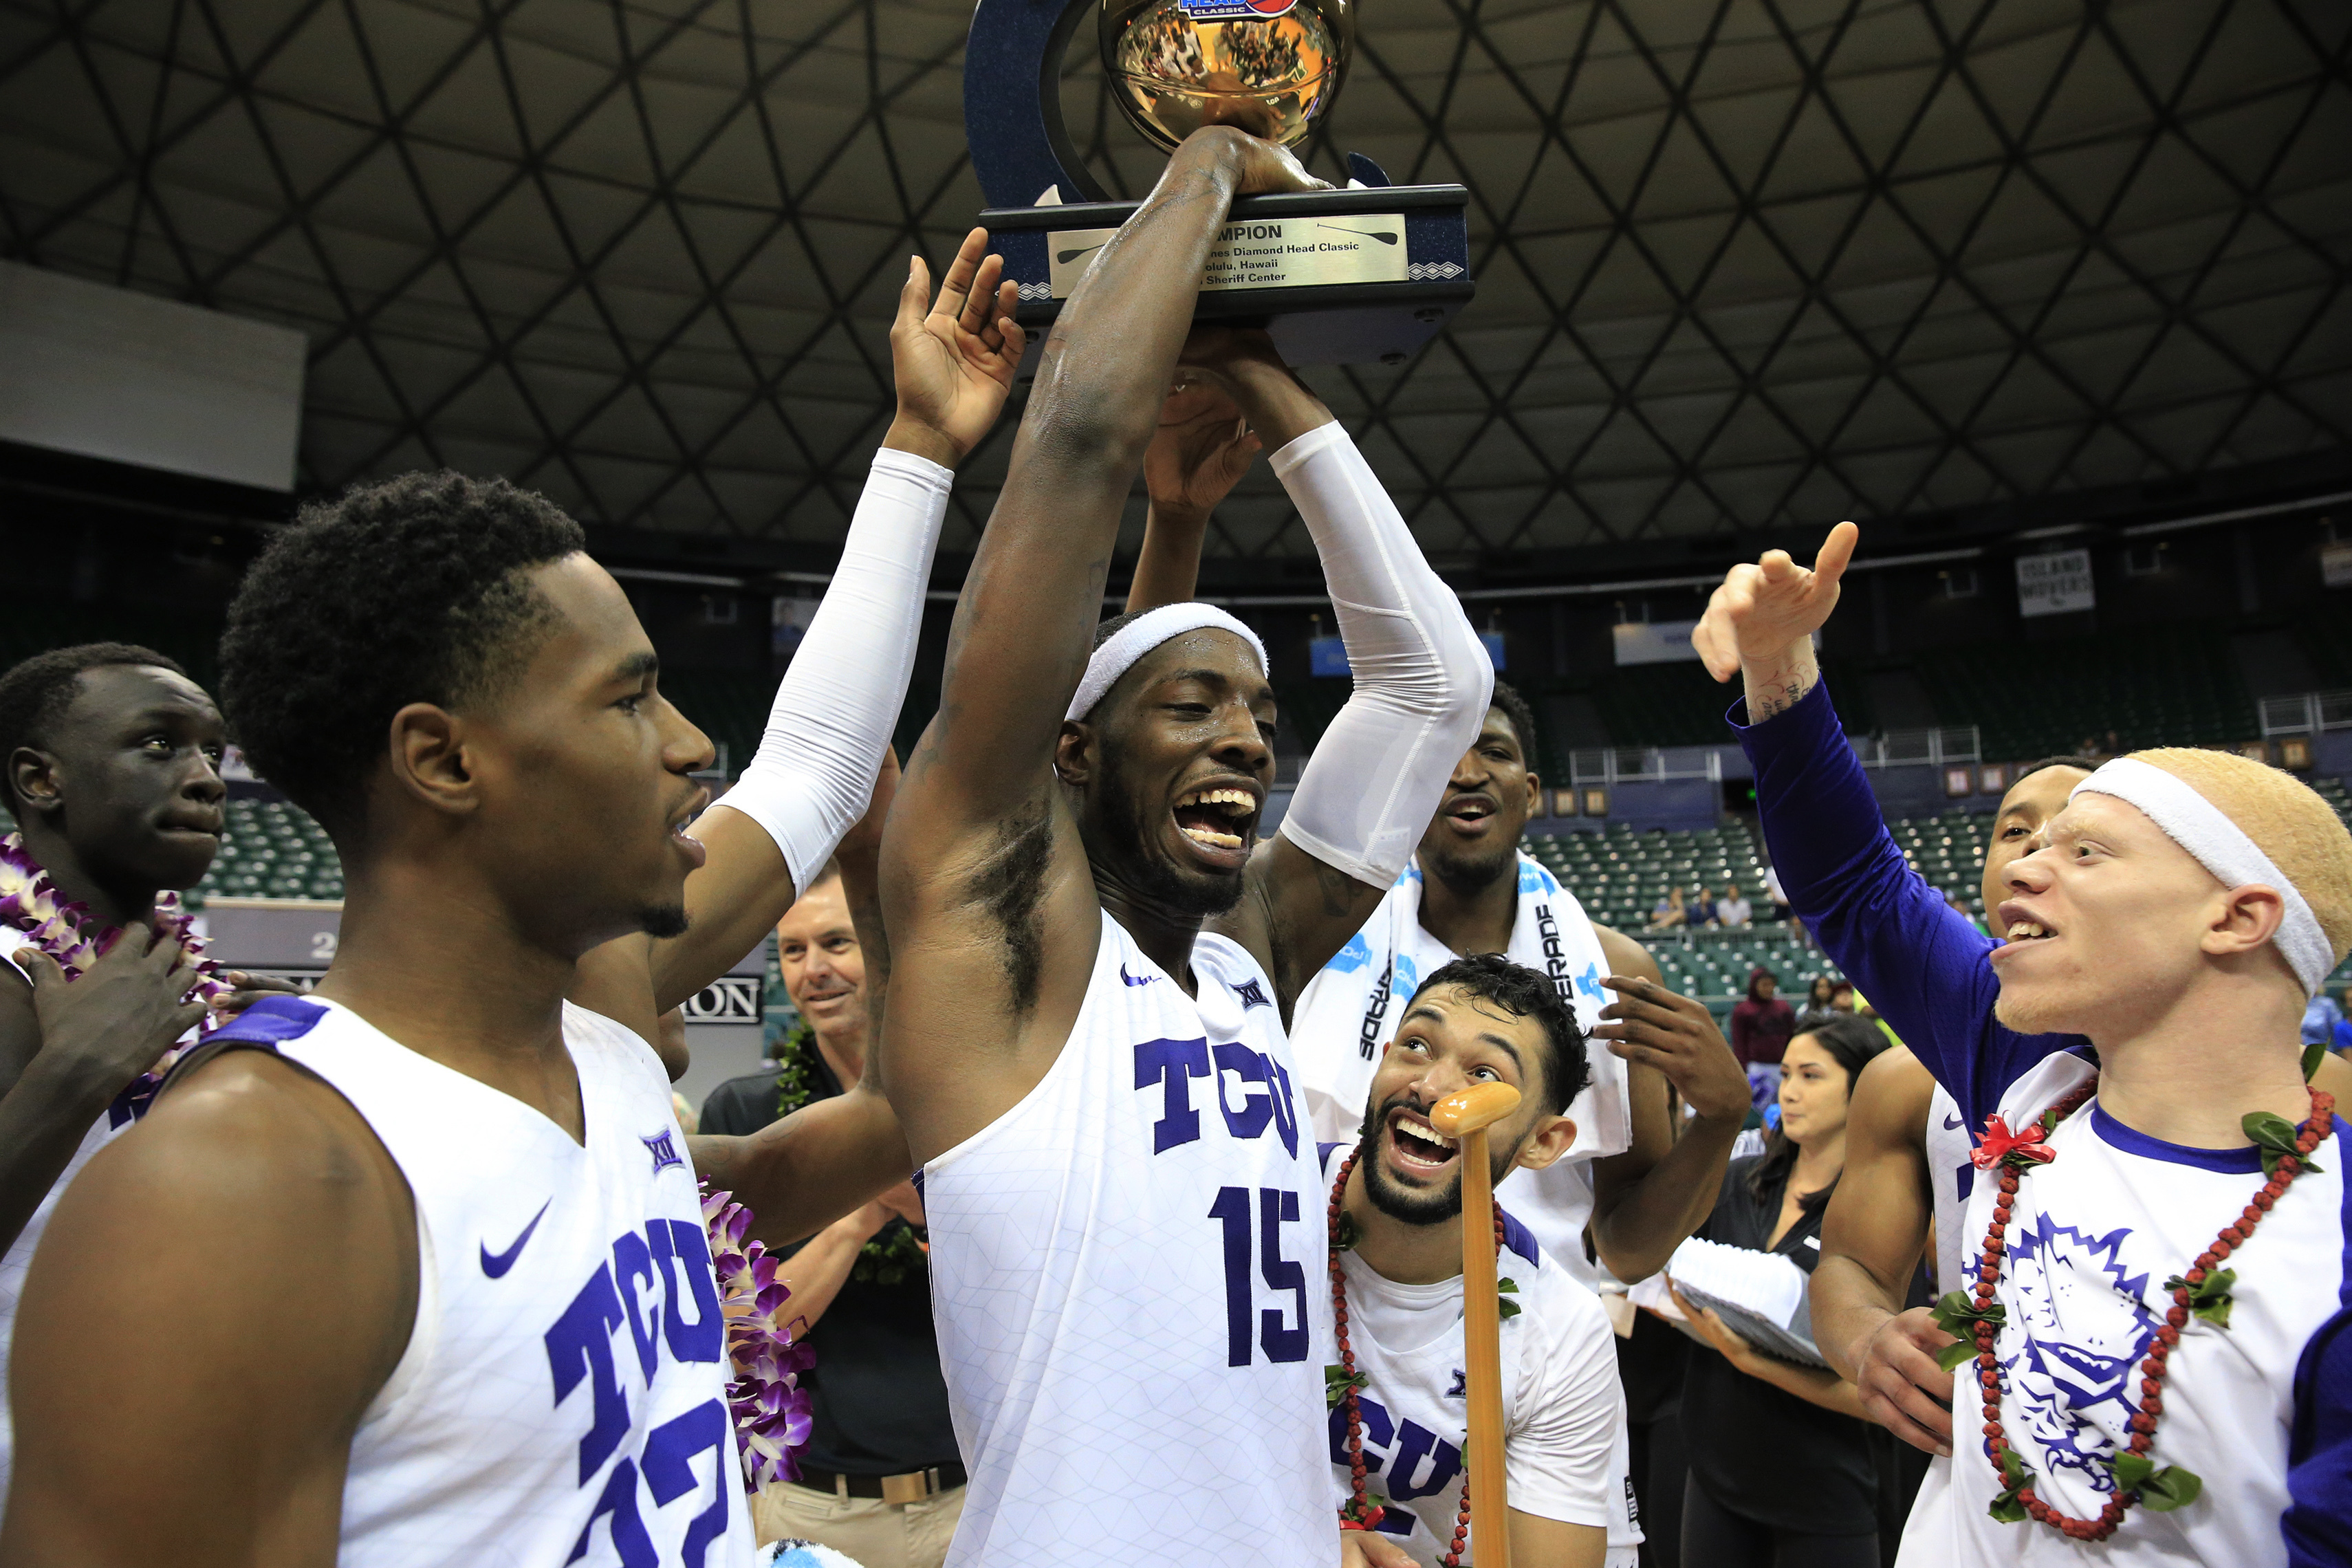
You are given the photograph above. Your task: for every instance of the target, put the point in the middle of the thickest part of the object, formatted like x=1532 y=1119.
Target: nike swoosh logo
x=1951 y=1124
x=496 y=1264
x=1131 y=980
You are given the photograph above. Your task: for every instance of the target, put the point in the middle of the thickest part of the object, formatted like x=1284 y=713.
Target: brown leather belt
x=912 y=1486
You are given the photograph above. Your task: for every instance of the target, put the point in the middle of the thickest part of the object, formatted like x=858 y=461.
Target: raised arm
x=256 y=1204
x=1422 y=684
x=1871 y=1240
x=992 y=913
x=1922 y=964
x=1198 y=455
x=833 y=711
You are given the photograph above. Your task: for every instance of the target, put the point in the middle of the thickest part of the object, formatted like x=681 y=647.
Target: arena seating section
x=275 y=851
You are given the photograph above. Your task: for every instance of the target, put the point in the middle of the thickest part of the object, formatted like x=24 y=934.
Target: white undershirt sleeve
x=1422 y=677
x=838 y=704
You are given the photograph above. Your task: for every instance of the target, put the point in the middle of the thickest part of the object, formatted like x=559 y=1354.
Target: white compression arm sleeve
x=1422 y=677
x=836 y=706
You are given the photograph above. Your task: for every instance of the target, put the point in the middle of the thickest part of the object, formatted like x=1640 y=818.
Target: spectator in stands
x=1842 y=996
x=1819 y=1008
x=1668 y=913
x=2321 y=1019
x=1781 y=1468
x=1700 y=911
x=881 y=1480
x=1776 y=898
x=1731 y=910
x=1960 y=905
x=1761 y=1027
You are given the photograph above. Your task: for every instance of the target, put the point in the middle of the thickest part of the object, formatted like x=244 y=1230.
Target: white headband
x=2222 y=848
x=1144 y=634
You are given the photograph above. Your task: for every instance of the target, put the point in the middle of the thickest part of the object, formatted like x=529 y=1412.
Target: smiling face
x=1449 y=1039
x=2031 y=802
x=1473 y=839
x=2105 y=924
x=823 y=969
x=1172 y=769
x=1814 y=1091
x=129 y=778
x=580 y=769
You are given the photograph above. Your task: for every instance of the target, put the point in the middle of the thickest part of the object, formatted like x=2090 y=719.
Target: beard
x=1414 y=1205
x=1466 y=872
x=1195 y=895
x=663 y=921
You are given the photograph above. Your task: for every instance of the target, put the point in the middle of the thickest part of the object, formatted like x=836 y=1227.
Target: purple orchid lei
x=65 y=929
x=769 y=1407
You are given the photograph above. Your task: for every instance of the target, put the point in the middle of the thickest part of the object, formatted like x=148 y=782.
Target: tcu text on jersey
x=655 y=1295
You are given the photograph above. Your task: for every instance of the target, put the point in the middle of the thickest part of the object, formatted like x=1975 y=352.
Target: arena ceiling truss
x=1741 y=263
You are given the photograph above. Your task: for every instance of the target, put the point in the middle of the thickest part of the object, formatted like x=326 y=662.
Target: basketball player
x=113 y=778
x=1907 y=1163
x=1476 y=1020
x=1090 y=966
x=2175 y=915
x=1628 y=1192
x=437 y=1286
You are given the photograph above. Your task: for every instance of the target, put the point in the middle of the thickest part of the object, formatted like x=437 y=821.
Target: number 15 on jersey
x=1275 y=1330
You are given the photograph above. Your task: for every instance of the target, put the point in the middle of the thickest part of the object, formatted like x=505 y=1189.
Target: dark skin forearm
x=831 y=1158
x=1168 y=568
x=1636 y=1227
x=1648 y=1200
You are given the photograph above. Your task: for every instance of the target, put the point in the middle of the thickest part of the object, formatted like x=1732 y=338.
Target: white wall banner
x=1651 y=642
x=2054 y=583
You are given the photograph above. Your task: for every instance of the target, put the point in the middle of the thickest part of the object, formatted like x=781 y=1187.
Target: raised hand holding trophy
x=1355 y=276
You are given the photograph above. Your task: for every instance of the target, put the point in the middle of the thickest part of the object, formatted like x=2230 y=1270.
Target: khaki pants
x=877 y=1534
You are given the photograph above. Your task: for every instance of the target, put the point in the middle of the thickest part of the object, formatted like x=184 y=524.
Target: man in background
x=1731 y=910
x=880 y=1480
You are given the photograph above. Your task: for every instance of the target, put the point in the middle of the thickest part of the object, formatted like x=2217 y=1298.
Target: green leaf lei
x=895 y=1253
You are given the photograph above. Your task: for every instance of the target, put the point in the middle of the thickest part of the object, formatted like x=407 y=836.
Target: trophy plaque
x=1344 y=277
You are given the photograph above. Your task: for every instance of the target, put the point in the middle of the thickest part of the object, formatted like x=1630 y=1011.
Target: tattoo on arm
x=1773 y=700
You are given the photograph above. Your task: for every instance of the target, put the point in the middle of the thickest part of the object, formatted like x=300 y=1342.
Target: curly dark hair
x=35 y=692
x=407 y=591
x=1523 y=723
x=1525 y=992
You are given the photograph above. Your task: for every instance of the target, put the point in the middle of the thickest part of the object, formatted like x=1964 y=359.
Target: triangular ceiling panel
x=1742 y=263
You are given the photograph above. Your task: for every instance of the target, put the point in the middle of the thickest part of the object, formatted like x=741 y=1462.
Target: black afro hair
x=407 y=591
x=1525 y=992
x=34 y=694
x=1523 y=723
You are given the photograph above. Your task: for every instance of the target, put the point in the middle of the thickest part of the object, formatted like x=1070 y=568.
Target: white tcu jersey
x=1347 y=1014
x=562 y=1398
x=1951 y=1177
x=1128 y=1273
x=19 y=1258
x=1565 y=1449
x=2093 y=1237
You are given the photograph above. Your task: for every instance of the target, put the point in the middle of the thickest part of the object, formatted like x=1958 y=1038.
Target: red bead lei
x=2202 y=1292
x=1361 y=1513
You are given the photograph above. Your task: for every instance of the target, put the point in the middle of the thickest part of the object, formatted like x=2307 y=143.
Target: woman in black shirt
x=1780 y=1472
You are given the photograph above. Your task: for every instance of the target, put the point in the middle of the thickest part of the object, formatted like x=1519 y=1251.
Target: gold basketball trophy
x=1365 y=274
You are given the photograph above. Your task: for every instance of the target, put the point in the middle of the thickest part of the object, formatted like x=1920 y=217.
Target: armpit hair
x=1011 y=886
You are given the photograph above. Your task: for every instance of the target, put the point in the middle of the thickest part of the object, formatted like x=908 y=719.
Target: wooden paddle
x=1465 y=1115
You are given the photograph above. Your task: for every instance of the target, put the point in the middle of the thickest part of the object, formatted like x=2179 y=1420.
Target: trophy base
x=1353 y=276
